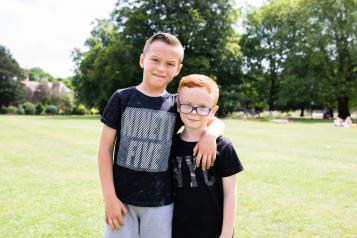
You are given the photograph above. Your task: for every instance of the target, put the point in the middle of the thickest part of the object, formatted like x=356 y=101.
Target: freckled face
x=161 y=64
x=196 y=97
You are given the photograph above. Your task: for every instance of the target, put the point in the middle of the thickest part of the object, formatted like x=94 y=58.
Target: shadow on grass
x=71 y=117
x=311 y=121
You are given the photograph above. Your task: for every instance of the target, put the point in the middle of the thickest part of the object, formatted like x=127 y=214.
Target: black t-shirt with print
x=198 y=207
x=145 y=126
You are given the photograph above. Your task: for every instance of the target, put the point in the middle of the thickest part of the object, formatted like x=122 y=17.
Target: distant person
x=327 y=115
x=338 y=121
x=348 y=123
x=133 y=159
x=205 y=200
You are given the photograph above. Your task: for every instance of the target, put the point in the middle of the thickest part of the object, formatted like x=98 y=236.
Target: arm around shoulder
x=206 y=148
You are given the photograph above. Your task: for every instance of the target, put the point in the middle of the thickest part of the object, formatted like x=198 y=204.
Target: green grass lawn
x=300 y=179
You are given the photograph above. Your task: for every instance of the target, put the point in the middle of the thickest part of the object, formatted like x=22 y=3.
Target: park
x=287 y=77
x=300 y=178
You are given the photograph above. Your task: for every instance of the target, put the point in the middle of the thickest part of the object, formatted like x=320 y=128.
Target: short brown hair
x=168 y=39
x=200 y=81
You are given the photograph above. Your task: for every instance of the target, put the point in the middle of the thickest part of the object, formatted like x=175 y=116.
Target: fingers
x=204 y=162
x=195 y=150
x=110 y=223
x=116 y=224
x=120 y=219
x=209 y=162
x=198 y=159
x=124 y=210
x=214 y=156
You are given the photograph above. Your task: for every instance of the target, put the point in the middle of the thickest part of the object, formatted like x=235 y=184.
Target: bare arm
x=229 y=206
x=206 y=147
x=114 y=208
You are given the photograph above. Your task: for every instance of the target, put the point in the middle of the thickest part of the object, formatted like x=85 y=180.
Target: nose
x=194 y=111
x=161 y=67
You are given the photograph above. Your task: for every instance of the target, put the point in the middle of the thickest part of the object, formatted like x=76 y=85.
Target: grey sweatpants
x=144 y=222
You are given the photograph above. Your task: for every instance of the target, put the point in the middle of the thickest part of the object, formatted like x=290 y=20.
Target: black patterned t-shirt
x=145 y=126
x=198 y=209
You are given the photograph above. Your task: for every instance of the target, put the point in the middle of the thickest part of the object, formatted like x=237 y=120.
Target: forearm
x=105 y=166
x=215 y=127
x=229 y=206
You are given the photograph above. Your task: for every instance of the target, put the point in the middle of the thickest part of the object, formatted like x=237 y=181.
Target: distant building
x=36 y=91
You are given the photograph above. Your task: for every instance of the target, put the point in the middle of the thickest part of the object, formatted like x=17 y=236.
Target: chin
x=193 y=124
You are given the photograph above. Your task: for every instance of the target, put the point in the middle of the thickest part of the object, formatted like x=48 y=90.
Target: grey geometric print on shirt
x=145 y=139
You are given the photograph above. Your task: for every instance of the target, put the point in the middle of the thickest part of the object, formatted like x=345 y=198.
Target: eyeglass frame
x=193 y=108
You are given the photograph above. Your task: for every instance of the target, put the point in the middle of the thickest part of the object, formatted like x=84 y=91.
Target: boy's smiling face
x=161 y=63
x=197 y=97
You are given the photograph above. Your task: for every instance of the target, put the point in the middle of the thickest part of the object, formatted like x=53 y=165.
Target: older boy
x=204 y=199
x=139 y=124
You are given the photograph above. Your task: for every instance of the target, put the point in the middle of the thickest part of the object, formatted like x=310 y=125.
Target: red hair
x=200 y=81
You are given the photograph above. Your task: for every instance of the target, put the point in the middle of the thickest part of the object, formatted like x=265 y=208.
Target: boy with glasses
x=205 y=200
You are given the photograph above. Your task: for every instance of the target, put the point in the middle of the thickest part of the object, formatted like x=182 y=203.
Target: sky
x=43 y=33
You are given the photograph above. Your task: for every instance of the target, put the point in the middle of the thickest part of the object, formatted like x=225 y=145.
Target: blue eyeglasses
x=200 y=110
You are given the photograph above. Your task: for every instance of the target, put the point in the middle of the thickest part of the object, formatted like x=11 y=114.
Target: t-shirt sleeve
x=228 y=162
x=112 y=112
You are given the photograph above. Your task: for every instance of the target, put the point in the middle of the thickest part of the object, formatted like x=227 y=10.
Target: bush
x=62 y=101
x=80 y=109
x=20 y=110
x=40 y=109
x=51 y=109
x=29 y=108
x=3 y=110
x=11 y=110
x=93 y=111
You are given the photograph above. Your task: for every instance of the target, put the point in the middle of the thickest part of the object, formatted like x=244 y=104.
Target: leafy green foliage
x=11 y=90
x=205 y=29
x=40 y=109
x=37 y=74
x=51 y=109
x=306 y=52
x=29 y=108
x=20 y=110
x=80 y=109
x=63 y=102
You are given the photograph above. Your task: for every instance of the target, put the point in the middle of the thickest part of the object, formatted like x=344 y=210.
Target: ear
x=141 y=61
x=214 y=110
x=178 y=69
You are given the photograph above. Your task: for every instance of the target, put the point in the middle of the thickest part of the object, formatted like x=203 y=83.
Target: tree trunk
x=343 y=109
x=272 y=94
x=302 y=112
x=331 y=112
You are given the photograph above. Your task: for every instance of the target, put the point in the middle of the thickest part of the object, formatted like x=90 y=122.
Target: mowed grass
x=300 y=179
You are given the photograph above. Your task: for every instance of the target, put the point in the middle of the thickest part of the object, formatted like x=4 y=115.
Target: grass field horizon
x=300 y=178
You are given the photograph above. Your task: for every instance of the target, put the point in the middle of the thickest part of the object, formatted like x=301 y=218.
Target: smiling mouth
x=159 y=76
x=192 y=119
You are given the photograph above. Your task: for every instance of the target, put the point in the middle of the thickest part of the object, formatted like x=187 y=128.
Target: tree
x=306 y=50
x=265 y=45
x=37 y=74
x=11 y=90
x=205 y=29
x=335 y=39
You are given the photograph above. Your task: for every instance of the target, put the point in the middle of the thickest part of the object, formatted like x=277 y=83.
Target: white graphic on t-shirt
x=145 y=139
x=190 y=161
